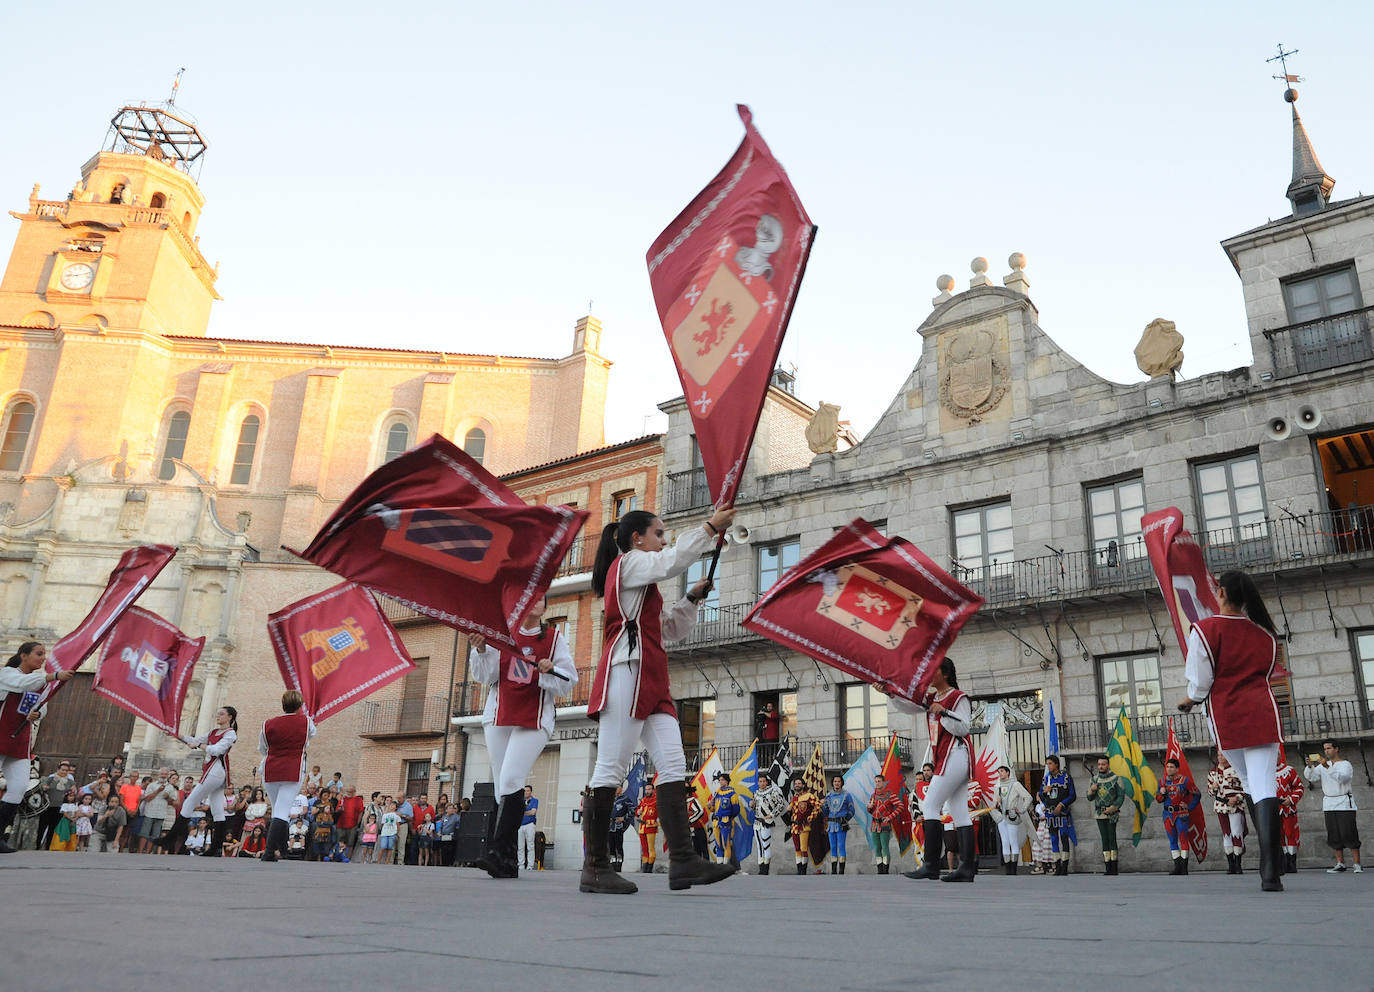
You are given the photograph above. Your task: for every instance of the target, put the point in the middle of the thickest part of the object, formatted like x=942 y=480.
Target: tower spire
x=1310 y=189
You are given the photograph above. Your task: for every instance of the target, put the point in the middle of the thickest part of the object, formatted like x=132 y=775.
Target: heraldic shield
x=971 y=377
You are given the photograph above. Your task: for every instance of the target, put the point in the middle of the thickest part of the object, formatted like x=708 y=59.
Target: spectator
x=157 y=806
x=405 y=812
x=56 y=786
x=315 y=779
x=322 y=836
x=237 y=814
x=110 y=824
x=424 y=840
x=195 y=839
x=1338 y=804
x=369 y=839
x=255 y=813
x=386 y=838
x=768 y=724
x=525 y=856
x=296 y=837
x=339 y=853
x=85 y=813
x=64 y=834
x=131 y=795
x=255 y=843
x=350 y=815
x=230 y=847
x=335 y=784
x=447 y=831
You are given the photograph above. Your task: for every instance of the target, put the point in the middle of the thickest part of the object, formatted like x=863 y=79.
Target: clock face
x=77 y=276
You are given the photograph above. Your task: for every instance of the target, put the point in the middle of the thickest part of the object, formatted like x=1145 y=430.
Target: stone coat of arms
x=973 y=380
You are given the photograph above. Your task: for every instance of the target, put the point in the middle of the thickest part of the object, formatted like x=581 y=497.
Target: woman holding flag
x=517 y=720
x=20 y=682
x=630 y=696
x=1231 y=658
x=214 y=775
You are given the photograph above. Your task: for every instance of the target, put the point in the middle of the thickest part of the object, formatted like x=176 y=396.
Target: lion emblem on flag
x=871 y=605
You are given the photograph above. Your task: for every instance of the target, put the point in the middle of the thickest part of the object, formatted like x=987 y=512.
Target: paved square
x=238 y=925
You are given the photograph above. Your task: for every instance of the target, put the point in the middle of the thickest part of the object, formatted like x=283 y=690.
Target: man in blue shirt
x=838 y=809
x=527 y=860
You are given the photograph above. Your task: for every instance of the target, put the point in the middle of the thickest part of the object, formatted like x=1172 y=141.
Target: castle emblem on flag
x=147 y=667
x=452 y=540
x=337 y=643
x=869 y=604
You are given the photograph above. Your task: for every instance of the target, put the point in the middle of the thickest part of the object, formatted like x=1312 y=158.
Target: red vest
x=212 y=760
x=942 y=741
x=286 y=739
x=1241 y=706
x=652 y=694
x=14 y=745
x=519 y=699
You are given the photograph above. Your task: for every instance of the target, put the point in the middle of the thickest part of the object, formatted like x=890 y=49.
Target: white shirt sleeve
x=958 y=721
x=644 y=568
x=679 y=619
x=222 y=745
x=562 y=662
x=193 y=741
x=1342 y=773
x=1198 y=668
x=13 y=680
x=903 y=705
x=262 y=740
x=484 y=666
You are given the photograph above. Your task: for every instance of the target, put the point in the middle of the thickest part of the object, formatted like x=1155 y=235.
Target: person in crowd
x=804 y=809
x=230 y=847
x=1178 y=796
x=698 y=821
x=282 y=743
x=948 y=721
x=630 y=694
x=339 y=854
x=214 y=774
x=918 y=795
x=768 y=724
x=1010 y=809
x=838 y=809
x=255 y=815
x=369 y=838
x=447 y=834
x=195 y=839
x=1290 y=792
x=349 y=817
x=56 y=785
x=85 y=815
x=64 y=834
x=110 y=824
x=335 y=784
x=1107 y=793
x=622 y=815
x=157 y=804
x=1336 y=776
x=254 y=842
x=768 y=805
x=386 y=838
x=1042 y=853
x=131 y=795
x=424 y=840
x=646 y=826
x=405 y=812
x=1231 y=659
x=236 y=810
x=21 y=681
x=1057 y=794
x=1228 y=799
x=724 y=810
x=297 y=836
x=529 y=823
x=322 y=839
x=315 y=778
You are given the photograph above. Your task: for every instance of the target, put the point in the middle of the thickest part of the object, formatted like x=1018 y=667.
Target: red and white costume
x=16 y=748
x=1225 y=786
x=282 y=742
x=1230 y=662
x=1291 y=791
x=949 y=746
x=214 y=774
x=630 y=695
x=517 y=720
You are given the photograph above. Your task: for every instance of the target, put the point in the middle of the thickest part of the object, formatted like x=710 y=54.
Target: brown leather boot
x=685 y=867
x=597 y=875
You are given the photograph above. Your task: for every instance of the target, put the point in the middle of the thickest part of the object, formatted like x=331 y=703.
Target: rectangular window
x=1132 y=681
x=1362 y=643
x=1114 y=510
x=414 y=692
x=775 y=559
x=697 y=718
x=1329 y=327
x=710 y=606
x=1230 y=496
x=863 y=717
x=1322 y=295
x=622 y=503
x=982 y=542
x=417 y=778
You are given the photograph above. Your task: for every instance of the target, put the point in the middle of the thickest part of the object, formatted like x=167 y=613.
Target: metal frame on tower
x=139 y=129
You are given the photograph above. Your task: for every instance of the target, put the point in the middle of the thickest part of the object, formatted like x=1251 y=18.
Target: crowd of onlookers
x=134 y=812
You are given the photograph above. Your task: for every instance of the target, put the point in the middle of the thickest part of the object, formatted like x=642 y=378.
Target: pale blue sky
x=467 y=176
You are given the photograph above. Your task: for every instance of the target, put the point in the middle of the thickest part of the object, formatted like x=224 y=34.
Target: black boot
x=1240 y=862
x=934 y=848
x=967 y=865
x=1063 y=867
x=1184 y=863
x=883 y=869
x=1230 y=864
x=834 y=867
x=1009 y=867
x=1290 y=863
x=176 y=837
x=1177 y=869
x=1112 y=867
x=218 y=833
x=276 y=834
x=801 y=867
x=763 y=867
x=596 y=837
x=1270 y=845
x=841 y=867
x=501 y=860
x=8 y=811
x=685 y=867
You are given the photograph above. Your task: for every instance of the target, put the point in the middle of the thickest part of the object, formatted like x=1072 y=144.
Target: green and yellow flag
x=1129 y=763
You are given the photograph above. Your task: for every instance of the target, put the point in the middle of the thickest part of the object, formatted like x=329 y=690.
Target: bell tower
x=120 y=250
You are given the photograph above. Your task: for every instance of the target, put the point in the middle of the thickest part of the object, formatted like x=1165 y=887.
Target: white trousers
x=513 y=751
x=282 y=795
x=211 y=791
x=1010 y=834
x=1258 y=779
x=619 y=735
x=526 y=845
x=951 y=788
x=764 y=836
x=1234 y=838
x=16 y=772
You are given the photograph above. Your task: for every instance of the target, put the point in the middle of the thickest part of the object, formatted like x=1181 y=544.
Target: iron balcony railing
x=421 y=715
x=686 y=491
x=1326 y=343
x=1303 y=722
x=716 y=625
x=581 y=555
x=471 y=697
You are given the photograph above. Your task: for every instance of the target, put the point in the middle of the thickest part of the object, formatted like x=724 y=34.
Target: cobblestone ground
x=127 y=922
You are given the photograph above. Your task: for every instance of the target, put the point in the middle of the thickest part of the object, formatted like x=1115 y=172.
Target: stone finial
x=1016 y=280
x=944 y=284
x=823 y=432
x=1160 y=351
x=979 y=267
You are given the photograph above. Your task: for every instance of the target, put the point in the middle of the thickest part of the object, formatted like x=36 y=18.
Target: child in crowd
x=424 y=840
x=195 y=839
x=339 y=853
x=85 y=813
x=386 y=839
x=295 y=845
x=369 y=840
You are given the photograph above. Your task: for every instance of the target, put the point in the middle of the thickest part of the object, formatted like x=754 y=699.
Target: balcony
x=1327 y=343
x=1305 y=722
x=580 y=557
x=471 y=697
x=716 y=625
x=421 y=716
x=685 y=491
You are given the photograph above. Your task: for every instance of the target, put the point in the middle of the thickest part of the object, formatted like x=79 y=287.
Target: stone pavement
x=126 y=922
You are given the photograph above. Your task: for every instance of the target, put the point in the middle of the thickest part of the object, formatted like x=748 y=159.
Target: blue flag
x=744 y=777
x=859 y=782
x=1054 y=732
x=634 y=782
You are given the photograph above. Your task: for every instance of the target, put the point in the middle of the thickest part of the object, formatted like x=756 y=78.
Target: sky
x=469 y=177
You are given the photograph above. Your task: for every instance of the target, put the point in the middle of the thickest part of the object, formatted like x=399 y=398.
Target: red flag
x=725 y=274
x=896 y=781
x=137 y=569
x=439 y=533
x=145 y=667
x=1180 y=569
x=872 y=606
x=336 y=648
x=1197 y=816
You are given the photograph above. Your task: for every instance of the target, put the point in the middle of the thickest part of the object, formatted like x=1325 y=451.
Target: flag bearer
x=1057 y=794
x=1107 y=793
x=804 y=809
x=838 y=808
x=1179 y=796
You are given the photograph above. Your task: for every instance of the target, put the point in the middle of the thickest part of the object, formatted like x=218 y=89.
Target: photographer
x=1338 y=804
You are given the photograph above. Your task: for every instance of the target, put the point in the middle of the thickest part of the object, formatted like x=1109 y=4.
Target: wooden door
x=82 y=727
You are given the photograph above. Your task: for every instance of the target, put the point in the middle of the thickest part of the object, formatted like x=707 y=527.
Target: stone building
x=1025 y=474
x=123 y=421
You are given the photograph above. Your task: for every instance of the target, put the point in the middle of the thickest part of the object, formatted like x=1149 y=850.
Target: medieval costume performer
x=1291 y=791
x=1228 y=797
x=1011 y=812
x=282 y=744
x=1179 y=797
x=768 y=805
x=949 y=717
x=1231 y=658
x=1107 y=794
x=724 y=810
x=630 y=696
x=1057 y=794
x=838 y=809
x=804 y=809
x=517 y=721
x=20 y=682
x=214 y=775
x=646 y=824
x=622 y=815
x=884 y=813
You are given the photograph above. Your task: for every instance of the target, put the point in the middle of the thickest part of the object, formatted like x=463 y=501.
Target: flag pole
x=715 y=557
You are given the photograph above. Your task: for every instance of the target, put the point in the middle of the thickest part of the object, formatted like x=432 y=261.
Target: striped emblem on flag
x=452 y=540
x=440 y=532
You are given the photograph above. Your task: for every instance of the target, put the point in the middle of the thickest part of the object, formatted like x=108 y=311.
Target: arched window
x=242 y=471
x=118 y=193
x=174 y=447
x=475 y=444
x=397 y=440
x=18 y=427
x=158 y=201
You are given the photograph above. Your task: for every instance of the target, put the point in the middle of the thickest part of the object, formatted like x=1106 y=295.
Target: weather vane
x=1287 y=78
x=176 y=83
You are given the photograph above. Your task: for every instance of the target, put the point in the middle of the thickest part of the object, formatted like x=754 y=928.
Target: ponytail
x=18 y=656
x=233 y=718
x=947 y=669
x=616 y=538
x=1242 y=591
